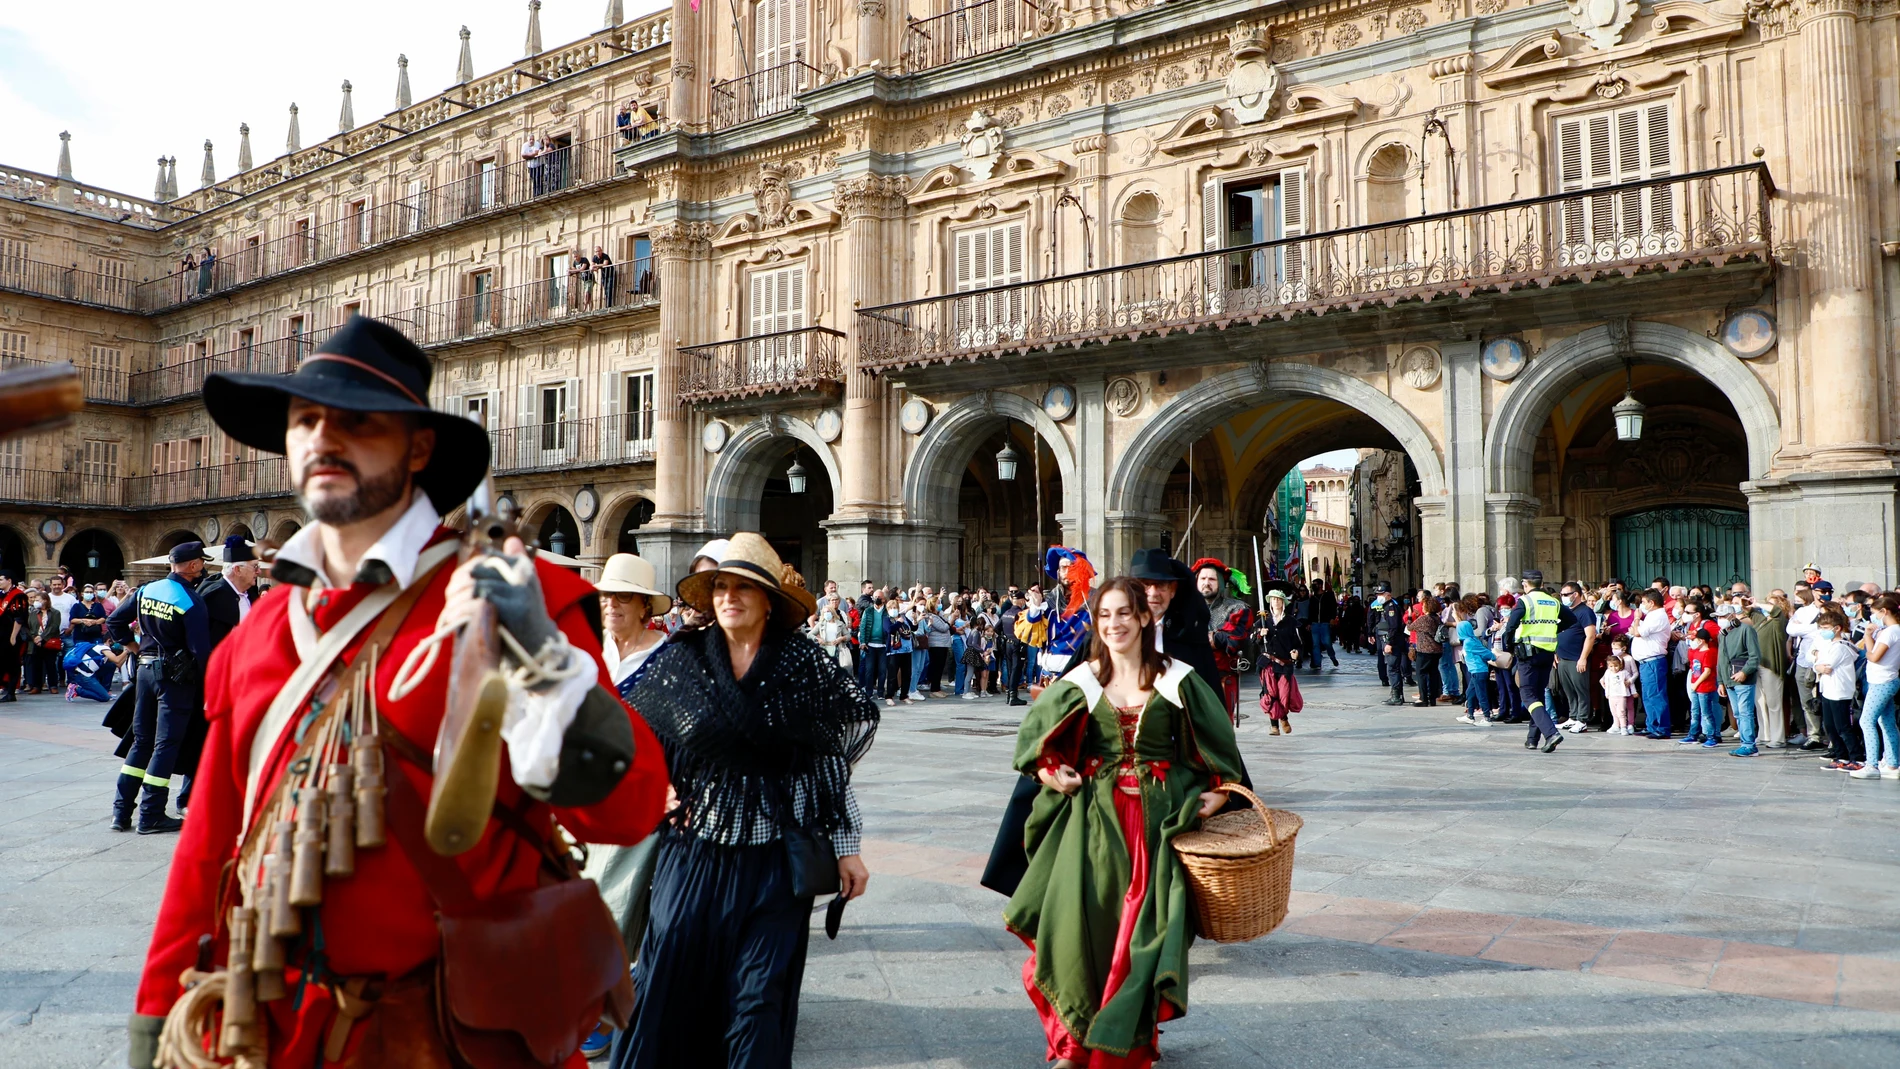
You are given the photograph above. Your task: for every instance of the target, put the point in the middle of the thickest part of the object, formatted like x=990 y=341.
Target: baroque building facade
x=919 y=290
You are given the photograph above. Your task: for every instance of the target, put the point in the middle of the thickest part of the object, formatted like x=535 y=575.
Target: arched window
x=1140 y=241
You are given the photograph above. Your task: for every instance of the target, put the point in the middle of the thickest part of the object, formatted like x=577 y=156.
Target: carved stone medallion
x=1123 y=396
x=1254 y=81
x=1419 y=367
x=1602 y=21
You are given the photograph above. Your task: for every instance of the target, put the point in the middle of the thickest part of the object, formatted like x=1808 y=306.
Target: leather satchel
x=523 y=977
x=813 y=858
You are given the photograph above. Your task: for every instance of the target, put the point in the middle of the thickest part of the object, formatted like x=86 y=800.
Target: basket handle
x=1266 y=813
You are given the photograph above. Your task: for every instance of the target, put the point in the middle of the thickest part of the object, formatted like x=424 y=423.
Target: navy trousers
x=722 y=962
x=1533 y=678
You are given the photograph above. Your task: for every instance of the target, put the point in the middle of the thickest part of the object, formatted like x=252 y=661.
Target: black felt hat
x=366 y=366
x=1154 y=563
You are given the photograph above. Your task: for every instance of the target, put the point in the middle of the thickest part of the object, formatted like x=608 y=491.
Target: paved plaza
x=1462 y=903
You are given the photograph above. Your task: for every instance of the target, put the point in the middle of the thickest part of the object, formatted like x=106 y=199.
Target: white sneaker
x=969 y=697
x=1574 y=727
x=1865 y=772
x=1889 y=773
x=1467 y=719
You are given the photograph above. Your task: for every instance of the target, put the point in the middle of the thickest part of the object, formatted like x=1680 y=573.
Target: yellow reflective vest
x=1539 y=626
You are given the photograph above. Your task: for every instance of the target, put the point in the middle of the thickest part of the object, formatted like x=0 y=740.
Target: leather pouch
x=524 y=977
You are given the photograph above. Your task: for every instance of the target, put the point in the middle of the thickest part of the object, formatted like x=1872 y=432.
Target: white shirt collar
x=396 y=550
x=618 y=667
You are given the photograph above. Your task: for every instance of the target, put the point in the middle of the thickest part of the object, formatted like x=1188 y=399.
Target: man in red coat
x=1230 y=623
x=376 y=469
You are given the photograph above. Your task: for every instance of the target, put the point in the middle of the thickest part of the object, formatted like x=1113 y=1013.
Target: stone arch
x=617 y=519
x=284 y=529
x=1136 y=483
x=174 y=537
x=1511 y=440
x=737 y=480
x=934 y=474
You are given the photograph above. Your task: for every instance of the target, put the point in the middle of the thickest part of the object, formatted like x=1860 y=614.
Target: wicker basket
x=1240 y=869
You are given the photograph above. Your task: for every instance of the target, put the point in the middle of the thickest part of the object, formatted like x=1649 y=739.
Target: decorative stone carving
x=982 y=145
x=1141 y=149
x=1123 y=396
x=1058 y=106
x=1602 y=22
x=683 y=239
x=870 y=194
x=416 y=155
x=1418 y=367
x=773 y=195
x=557 y=106
x=1411 y=20
x=1346 y=35
x=1254 y=81
x=871 y=9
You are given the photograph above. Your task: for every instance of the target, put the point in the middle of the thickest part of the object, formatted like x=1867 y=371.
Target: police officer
x=1388 y=630
x=173 y=618
x=1530 y=632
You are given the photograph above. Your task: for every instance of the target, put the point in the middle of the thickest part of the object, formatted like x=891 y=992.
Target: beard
x=372 y=495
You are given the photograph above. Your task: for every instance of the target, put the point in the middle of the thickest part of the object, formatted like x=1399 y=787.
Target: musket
x=468 y=745
x=39 y=397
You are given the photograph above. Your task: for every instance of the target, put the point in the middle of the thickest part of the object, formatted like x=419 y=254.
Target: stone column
x=872 y=36
x=685 y=103
x=859 y=537
x=1840 y=343
x=1510 y=534
x=1091 y=425
x=1464 y=513
x=681 y=251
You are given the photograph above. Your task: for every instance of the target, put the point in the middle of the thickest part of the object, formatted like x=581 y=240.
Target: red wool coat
x=380 y=920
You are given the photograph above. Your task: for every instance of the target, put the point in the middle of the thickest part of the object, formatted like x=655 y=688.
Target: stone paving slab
x=1463 y=903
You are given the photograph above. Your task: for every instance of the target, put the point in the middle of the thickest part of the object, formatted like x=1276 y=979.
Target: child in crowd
x=87 y=664
x=1705 y=714
x=1835 y=678
x=979 y=655
x=1619 y=685
x=1478 y=656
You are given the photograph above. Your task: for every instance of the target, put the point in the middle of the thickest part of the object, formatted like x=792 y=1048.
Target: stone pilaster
x=873 y=208
x=873 y=35
x=681 y=252
x=1840 y=343
x=1464 y=513
x=1510 y=535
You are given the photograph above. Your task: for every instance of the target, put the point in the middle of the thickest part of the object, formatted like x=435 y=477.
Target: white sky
x=1343 y=459
x=133 y=82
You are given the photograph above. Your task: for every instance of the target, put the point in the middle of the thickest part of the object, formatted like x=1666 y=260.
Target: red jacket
x=380 y=920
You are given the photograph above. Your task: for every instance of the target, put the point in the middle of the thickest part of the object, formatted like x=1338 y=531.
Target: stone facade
x=1196 y=241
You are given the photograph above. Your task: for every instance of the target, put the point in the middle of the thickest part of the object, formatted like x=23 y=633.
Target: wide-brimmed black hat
x=366 y=366
x=1155 y=563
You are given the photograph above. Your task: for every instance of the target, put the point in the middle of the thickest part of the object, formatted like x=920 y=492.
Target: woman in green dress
x=1132 y=748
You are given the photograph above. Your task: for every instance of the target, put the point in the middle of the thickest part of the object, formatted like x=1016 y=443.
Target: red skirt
x=1061 y=1043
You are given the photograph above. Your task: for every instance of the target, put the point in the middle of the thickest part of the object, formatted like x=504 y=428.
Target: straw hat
x=625 y=573
x=750 y=556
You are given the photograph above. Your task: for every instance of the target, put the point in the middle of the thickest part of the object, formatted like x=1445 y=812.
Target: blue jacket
x=1478 y=655
x=171 y=612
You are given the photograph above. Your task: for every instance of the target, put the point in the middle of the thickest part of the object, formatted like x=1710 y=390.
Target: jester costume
x=1104 y=905
x=1068 y=603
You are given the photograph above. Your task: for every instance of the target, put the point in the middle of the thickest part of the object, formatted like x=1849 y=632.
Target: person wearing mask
x=1705 y=713
x=1478 y=659
x=874 y=630
x=40 y=670
x=1805 y=728
x=1649 y=645
x=938 y=637
x=1737 y=664
x=14 y=632
x=1450 y=687
x=1880 y=737
x=899 y=651
x=830 y=633
x=1575 y=643
x=1425 y=629
x=1008 y=649
x=1833 y=657
x=1530 y=631
x=1771 y=634
x=63 y=597
x=1388 y=633
x=761 y=732
x=1154 y=751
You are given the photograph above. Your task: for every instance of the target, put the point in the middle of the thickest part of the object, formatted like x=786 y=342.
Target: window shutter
x=792 y=282
x=1007 y=242
x=572 y=395
x=1213 y=268
x=527 y=413
x=758 y=304
x=965 y=274
x=1293 y=224
x=1662 y=199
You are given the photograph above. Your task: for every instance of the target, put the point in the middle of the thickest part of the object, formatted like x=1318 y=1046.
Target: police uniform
x=1389 y=632
x=1531 y=631
x=172 y=617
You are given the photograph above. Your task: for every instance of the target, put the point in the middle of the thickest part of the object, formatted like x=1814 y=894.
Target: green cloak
x=1069 y=903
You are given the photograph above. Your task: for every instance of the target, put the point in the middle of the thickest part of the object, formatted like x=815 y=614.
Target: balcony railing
x=69 y=284
x=1657 y=225
x=192 y=486
x=574 y=443
x=970 y=30
x=787 y=361
x=504 y=187
x=623 y=287
x=103 y=384
x=761 y=93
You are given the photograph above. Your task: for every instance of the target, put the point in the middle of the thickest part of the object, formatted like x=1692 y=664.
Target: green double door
x=1688 y=545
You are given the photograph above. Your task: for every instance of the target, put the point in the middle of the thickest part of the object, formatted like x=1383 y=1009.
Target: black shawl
x=737 y=749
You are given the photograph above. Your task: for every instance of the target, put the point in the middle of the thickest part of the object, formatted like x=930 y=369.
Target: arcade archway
x=12 y=553
x=94 y=556
x=1000 y=504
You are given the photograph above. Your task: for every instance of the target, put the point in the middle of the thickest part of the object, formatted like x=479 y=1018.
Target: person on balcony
x=187 y=276
x=531 y=151
x=206 y=266
x=584 y=268
x=608 y=274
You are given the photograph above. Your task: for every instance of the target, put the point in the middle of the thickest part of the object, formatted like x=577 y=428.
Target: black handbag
x=813 y=859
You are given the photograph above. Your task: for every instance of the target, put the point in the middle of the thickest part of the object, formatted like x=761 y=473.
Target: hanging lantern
x=795 y=475
x=1006 y=462
x=557 y=544
x=1395 y=531
x=92 y=558
x=1629 y=418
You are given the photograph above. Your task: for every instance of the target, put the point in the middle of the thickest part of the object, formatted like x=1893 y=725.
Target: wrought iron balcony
x=574 y=443
x=1660 y=225
x=971 y=30
x=237 y=481
x=624 y=287
x=106 y=385
x=761 y=93
x=113 y=292
x=792 y=363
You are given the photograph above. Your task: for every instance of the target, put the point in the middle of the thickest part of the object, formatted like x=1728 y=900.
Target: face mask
x=1851 y=609
x=88 y=595
x=1825 y=634
x=1570 y=599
